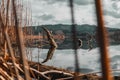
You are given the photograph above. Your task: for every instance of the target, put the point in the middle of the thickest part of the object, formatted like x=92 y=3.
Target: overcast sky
x=58 y=12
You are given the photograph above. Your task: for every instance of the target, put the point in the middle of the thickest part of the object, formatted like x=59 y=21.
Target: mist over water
x=89 y=61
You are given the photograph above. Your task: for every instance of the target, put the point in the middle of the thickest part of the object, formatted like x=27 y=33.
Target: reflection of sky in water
x=87 y=59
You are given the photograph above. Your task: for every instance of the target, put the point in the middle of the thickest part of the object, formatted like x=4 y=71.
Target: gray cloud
x=55 y=1
x=114 y=9
x=83 y=2
x=112 y=13
x=57 y=11
x=78 y=2
x=115 y=0
x=46 y=17
x=115 y=6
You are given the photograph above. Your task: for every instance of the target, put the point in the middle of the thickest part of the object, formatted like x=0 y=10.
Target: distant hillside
x=82 y=33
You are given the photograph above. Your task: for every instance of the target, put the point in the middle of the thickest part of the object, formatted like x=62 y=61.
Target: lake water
x=89 y=61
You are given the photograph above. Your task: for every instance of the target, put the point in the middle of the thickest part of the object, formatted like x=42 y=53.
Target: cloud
x=78 y=2
x=83 y=2
x=112 y=13
x=45 y=17
x=55 y=1
x=58 y=12
x=111 y=21
x=112 y=8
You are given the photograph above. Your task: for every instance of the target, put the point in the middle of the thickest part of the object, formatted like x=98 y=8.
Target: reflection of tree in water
x=59 y=33
x=116 y=36
x=90 y=40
